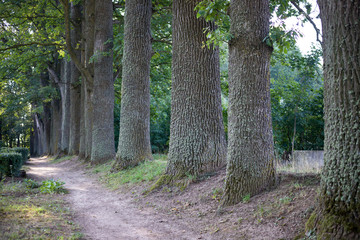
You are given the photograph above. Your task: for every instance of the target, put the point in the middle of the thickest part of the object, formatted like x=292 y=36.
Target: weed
x=298 y=186
x=147 y=171
x=31 y=184
x=246 y=198
x=191 y=178
x=285 y=200
x=217 y=194
x=52 y=186
x=62 y=159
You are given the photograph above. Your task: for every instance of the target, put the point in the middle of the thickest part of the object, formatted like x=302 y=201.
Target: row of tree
x=81 y=120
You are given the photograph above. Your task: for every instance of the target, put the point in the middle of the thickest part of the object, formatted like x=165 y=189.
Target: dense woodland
x=211 y=83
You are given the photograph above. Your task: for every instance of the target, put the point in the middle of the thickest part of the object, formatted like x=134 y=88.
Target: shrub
x=6 y=150
x=23 y=151
x=52 y=186
x=10 y=163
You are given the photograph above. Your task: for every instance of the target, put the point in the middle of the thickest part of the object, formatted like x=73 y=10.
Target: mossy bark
x=103 y=146
x=250 y=157
x=134 y=137
x=88 y=25
x=197 y=140
x=75 y=84
x=338 y=213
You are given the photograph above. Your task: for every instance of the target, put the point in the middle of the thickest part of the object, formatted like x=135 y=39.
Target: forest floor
x=175 y=213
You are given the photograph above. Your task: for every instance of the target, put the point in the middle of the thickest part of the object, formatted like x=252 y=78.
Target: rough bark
x=134 y=137
x=65 y=106
x=54 y=71
x=89 y=12
x=338 y=213
x=75 y=87
x=82 y=143
x=250 y=156
x=103 y=146
x=45 y=118
x=55 y=136
x=197 y=139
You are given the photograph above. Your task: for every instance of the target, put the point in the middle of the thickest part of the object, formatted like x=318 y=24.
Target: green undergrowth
x=61 y=159
x=147 y=171
x=27 y=213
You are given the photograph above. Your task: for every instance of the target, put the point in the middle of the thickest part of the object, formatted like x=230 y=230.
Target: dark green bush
x=10 y=163
x=6 y=150
x=23 y=151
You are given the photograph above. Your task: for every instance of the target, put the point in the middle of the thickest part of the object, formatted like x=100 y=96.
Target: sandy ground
x=103 y=214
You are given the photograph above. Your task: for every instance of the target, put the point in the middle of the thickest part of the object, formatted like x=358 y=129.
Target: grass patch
x=304 y=167
x=59 y=160
x=147 y=171
x=25 y=213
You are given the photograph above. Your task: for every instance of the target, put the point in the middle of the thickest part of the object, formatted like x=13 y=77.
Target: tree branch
x=30 y=44
x=71 y=50
x=309 y=19
x=53 y=75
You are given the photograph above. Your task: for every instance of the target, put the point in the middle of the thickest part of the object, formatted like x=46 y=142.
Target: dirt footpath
x=103 y=214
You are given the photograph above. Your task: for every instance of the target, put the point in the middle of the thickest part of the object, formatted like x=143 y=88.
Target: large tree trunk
x=197 y=139
x=82 y=143
x=88 y=34
x=250 y=157
x=45 y=118
x=65 y=106
x=103 y=146
x=338 y=213
x=55 y=136
x=75 y=88
x=134 y=136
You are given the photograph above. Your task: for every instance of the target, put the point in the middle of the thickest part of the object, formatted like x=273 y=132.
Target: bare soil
x=170 y=213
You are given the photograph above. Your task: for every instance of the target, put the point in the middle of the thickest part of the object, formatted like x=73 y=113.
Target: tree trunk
x=103 y=146
x=45 y=118
x=197 y=138
x=250 y=157
x=134 y=137
x=82 y=143
x=338 y=213
x=75 y=88
x=55 y=133
x=65 y=106
x=89 y=11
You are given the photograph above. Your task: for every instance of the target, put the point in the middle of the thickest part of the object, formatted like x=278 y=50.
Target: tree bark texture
x=134 y=137
x=89 y=25
x=197 y=139
x=103 y=146
x=55 y=136
x=82 y=144
x=338 y=216
x=75 y=88
x=65 y=106
x=250 y=156
x=45 y=117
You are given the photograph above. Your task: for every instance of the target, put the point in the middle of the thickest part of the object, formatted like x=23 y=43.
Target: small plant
x=52 y=186
x=217 y=194
x=285 y=200
x=297 y=185
x=190 y=177
x=31 y=184
x=246 y=198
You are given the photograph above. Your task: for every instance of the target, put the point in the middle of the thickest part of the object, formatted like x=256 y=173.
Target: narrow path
x=103 y=214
